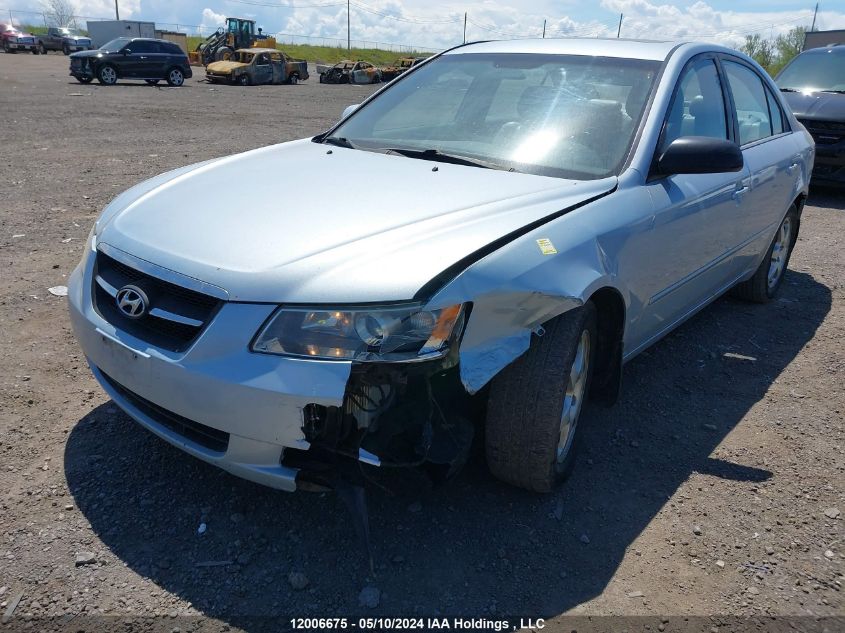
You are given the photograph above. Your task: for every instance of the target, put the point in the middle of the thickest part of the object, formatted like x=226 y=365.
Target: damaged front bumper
x=278 y=421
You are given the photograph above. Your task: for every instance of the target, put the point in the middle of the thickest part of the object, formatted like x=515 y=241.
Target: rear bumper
x=216 y=401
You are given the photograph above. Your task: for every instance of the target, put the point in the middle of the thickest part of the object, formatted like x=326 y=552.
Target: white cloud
x=211 y=19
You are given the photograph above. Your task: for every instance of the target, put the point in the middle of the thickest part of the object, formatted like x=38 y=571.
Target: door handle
x=738 y=193
x=792 y=167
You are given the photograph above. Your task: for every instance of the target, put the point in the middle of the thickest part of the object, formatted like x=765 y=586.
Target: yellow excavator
x=222 y=44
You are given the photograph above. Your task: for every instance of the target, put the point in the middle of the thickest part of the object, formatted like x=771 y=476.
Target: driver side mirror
x=126 y=51
x=349 y=110
x=700 y=155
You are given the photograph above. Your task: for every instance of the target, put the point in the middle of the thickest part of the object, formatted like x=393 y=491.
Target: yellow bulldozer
x=222 y=44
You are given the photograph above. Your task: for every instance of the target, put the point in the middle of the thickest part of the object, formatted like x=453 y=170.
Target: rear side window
x=698 y=106
x=752 y=106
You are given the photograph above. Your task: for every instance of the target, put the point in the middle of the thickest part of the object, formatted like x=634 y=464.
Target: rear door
x=763 y=133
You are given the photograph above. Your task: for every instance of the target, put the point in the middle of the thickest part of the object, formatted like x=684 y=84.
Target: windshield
x=115 y=45
x=569 y=116
x=69 y=33
x=812 y=71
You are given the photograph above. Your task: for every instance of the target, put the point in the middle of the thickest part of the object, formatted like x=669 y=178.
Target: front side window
x=570 y=116
x=115 y=45
x=752 y=107
x=698 y=105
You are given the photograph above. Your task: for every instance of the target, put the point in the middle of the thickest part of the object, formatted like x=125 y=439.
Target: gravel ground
x=715 y=486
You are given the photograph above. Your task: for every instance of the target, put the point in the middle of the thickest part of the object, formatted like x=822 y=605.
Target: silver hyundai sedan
x=546 y=210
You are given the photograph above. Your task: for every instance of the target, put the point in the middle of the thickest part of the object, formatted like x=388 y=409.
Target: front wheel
x=243 y=80
x=768 y=277
x=107 y=75
x=41 y=49
x=175 y=77
x=535 y=404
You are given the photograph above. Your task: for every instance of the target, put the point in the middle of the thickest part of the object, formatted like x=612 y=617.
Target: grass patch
x=331 y=54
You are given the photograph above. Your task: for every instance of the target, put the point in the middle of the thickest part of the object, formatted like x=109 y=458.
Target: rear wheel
x=175 y=77
x=769 y=275
x=65 y=49
x=294 y=79
x=35 y=51
x=107 y=75
x=535 y=404
x=41 y=48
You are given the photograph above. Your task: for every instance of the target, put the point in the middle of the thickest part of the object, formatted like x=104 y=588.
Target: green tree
x=787 y=46
x=760 y=50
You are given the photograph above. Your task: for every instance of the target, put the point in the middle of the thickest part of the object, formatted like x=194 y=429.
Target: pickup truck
x=14 y=40
x=63 y=39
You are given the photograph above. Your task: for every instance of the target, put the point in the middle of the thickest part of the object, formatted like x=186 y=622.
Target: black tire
x=152 y=82
x=35 y=51
x=85 y=80
x=243 y=80
x=760 y=289
x=65 y=49
x=41 y=48
x=322 y=78
x=107 y=75
x=526 y=403
x=294 y=79
x=223 y=53
x=175 y=77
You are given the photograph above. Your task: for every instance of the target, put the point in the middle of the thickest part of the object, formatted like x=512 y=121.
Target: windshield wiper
x=788 y=90
x=340 y=141
x=442 y=157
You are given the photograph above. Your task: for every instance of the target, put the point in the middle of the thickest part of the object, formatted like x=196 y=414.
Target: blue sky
x=440 y=24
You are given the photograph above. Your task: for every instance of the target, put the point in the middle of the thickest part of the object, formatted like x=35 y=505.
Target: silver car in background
x=546 y=210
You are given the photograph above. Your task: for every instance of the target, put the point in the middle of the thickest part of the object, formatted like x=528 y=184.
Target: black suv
x=814 y=83
x=135 y=58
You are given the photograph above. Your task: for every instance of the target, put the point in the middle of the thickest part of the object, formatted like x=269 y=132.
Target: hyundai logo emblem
x=132 y=301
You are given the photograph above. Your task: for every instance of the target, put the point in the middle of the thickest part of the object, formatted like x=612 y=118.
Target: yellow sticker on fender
x=546 y=246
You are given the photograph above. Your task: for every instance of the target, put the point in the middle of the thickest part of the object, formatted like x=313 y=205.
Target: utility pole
x=116 y=11
x=619 y=30
x=544 y=29
x=815 y=13
x=348 y=28
x=465 y=27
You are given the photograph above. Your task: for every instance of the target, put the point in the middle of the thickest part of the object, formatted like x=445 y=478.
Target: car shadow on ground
x=471 y=546
x=827 y=197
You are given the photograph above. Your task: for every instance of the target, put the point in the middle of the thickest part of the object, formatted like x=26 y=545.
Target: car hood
x=224 y=66
x=94 y=53
x=304 y=222
x=826 y=106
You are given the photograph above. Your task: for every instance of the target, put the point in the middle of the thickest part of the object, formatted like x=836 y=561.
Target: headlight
x=405 y=333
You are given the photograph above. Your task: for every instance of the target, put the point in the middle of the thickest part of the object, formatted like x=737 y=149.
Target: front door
x=684 y=250
x=263 y=69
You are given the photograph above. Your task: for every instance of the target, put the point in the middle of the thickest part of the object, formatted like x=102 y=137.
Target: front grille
x=175 y=317
x=825 y=132
x=205 y=436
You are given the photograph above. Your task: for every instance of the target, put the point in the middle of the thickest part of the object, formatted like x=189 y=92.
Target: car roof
x=258 y=50
x=598 y=47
